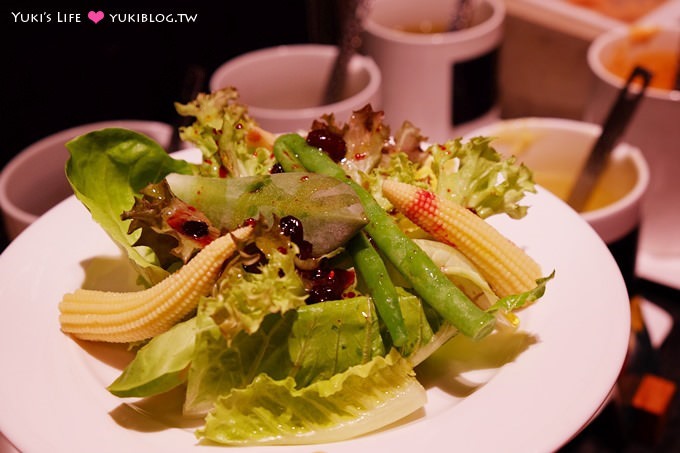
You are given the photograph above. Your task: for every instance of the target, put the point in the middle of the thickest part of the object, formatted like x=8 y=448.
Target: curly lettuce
x=244 y=298
x=476 y=176
x=230 y=140
x=471 y=173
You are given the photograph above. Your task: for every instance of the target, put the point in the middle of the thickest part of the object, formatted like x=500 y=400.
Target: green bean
x=368 y=262
x=288 y=146
x=372 y=271
x=428 y=281
x=285 y=157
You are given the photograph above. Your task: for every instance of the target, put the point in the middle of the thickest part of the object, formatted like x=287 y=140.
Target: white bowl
x=632 y=43
x=555 y=149
x=34 y=180
x=445 y=83
x=283 y=86
x=654 y=126
x=654 y=129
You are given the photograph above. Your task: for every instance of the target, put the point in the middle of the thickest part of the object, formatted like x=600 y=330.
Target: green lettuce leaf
x=460 y=271
x=222 y=132
x=329 y=337
x=396 y=166
x=476 y=176
x=517 y=301
x=246 y=298
x=160 y=365
x=310 y=343
x=299 y=344
x=360 y=400
x=218 y=367
x=420 y=321
x=329 y=210
x=124 y=162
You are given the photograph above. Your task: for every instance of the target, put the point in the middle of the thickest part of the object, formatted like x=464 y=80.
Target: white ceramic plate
x=481 y=398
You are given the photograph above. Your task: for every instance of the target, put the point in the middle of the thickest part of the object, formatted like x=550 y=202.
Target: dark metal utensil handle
x=350 y=39
x=461 y=15
x=614 y=126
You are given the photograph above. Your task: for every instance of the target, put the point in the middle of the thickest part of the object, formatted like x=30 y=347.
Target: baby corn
x=507 y=268
x=121 y=317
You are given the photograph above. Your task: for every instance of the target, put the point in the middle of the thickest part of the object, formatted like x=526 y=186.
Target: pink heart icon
x=95 y=16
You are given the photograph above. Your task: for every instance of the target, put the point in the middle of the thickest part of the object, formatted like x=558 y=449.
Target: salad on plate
x=290 y=284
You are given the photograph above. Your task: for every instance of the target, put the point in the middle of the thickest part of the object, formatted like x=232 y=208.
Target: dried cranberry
x=323 y=293
x=328 y=284
x=305 y=248
x=250 y=222
x=292 y=227
x=329 y=142
x=259 y=259
x=195 y=228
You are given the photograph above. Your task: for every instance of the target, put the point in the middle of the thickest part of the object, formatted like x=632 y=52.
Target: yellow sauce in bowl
x=618 y=180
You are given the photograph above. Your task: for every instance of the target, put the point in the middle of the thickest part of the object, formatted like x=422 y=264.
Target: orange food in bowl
x=664 y=64
x=623 y=10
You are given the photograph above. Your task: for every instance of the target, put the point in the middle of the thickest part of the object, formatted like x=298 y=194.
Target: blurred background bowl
x=284 y=86
x=444 y=82
x=34 y=180
x=556 y=149
x=655 y=129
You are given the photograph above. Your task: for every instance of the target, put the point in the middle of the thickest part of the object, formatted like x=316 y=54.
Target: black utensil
x=350 y=41
x=461 y=15
x=612 y=130
x=677 y=73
